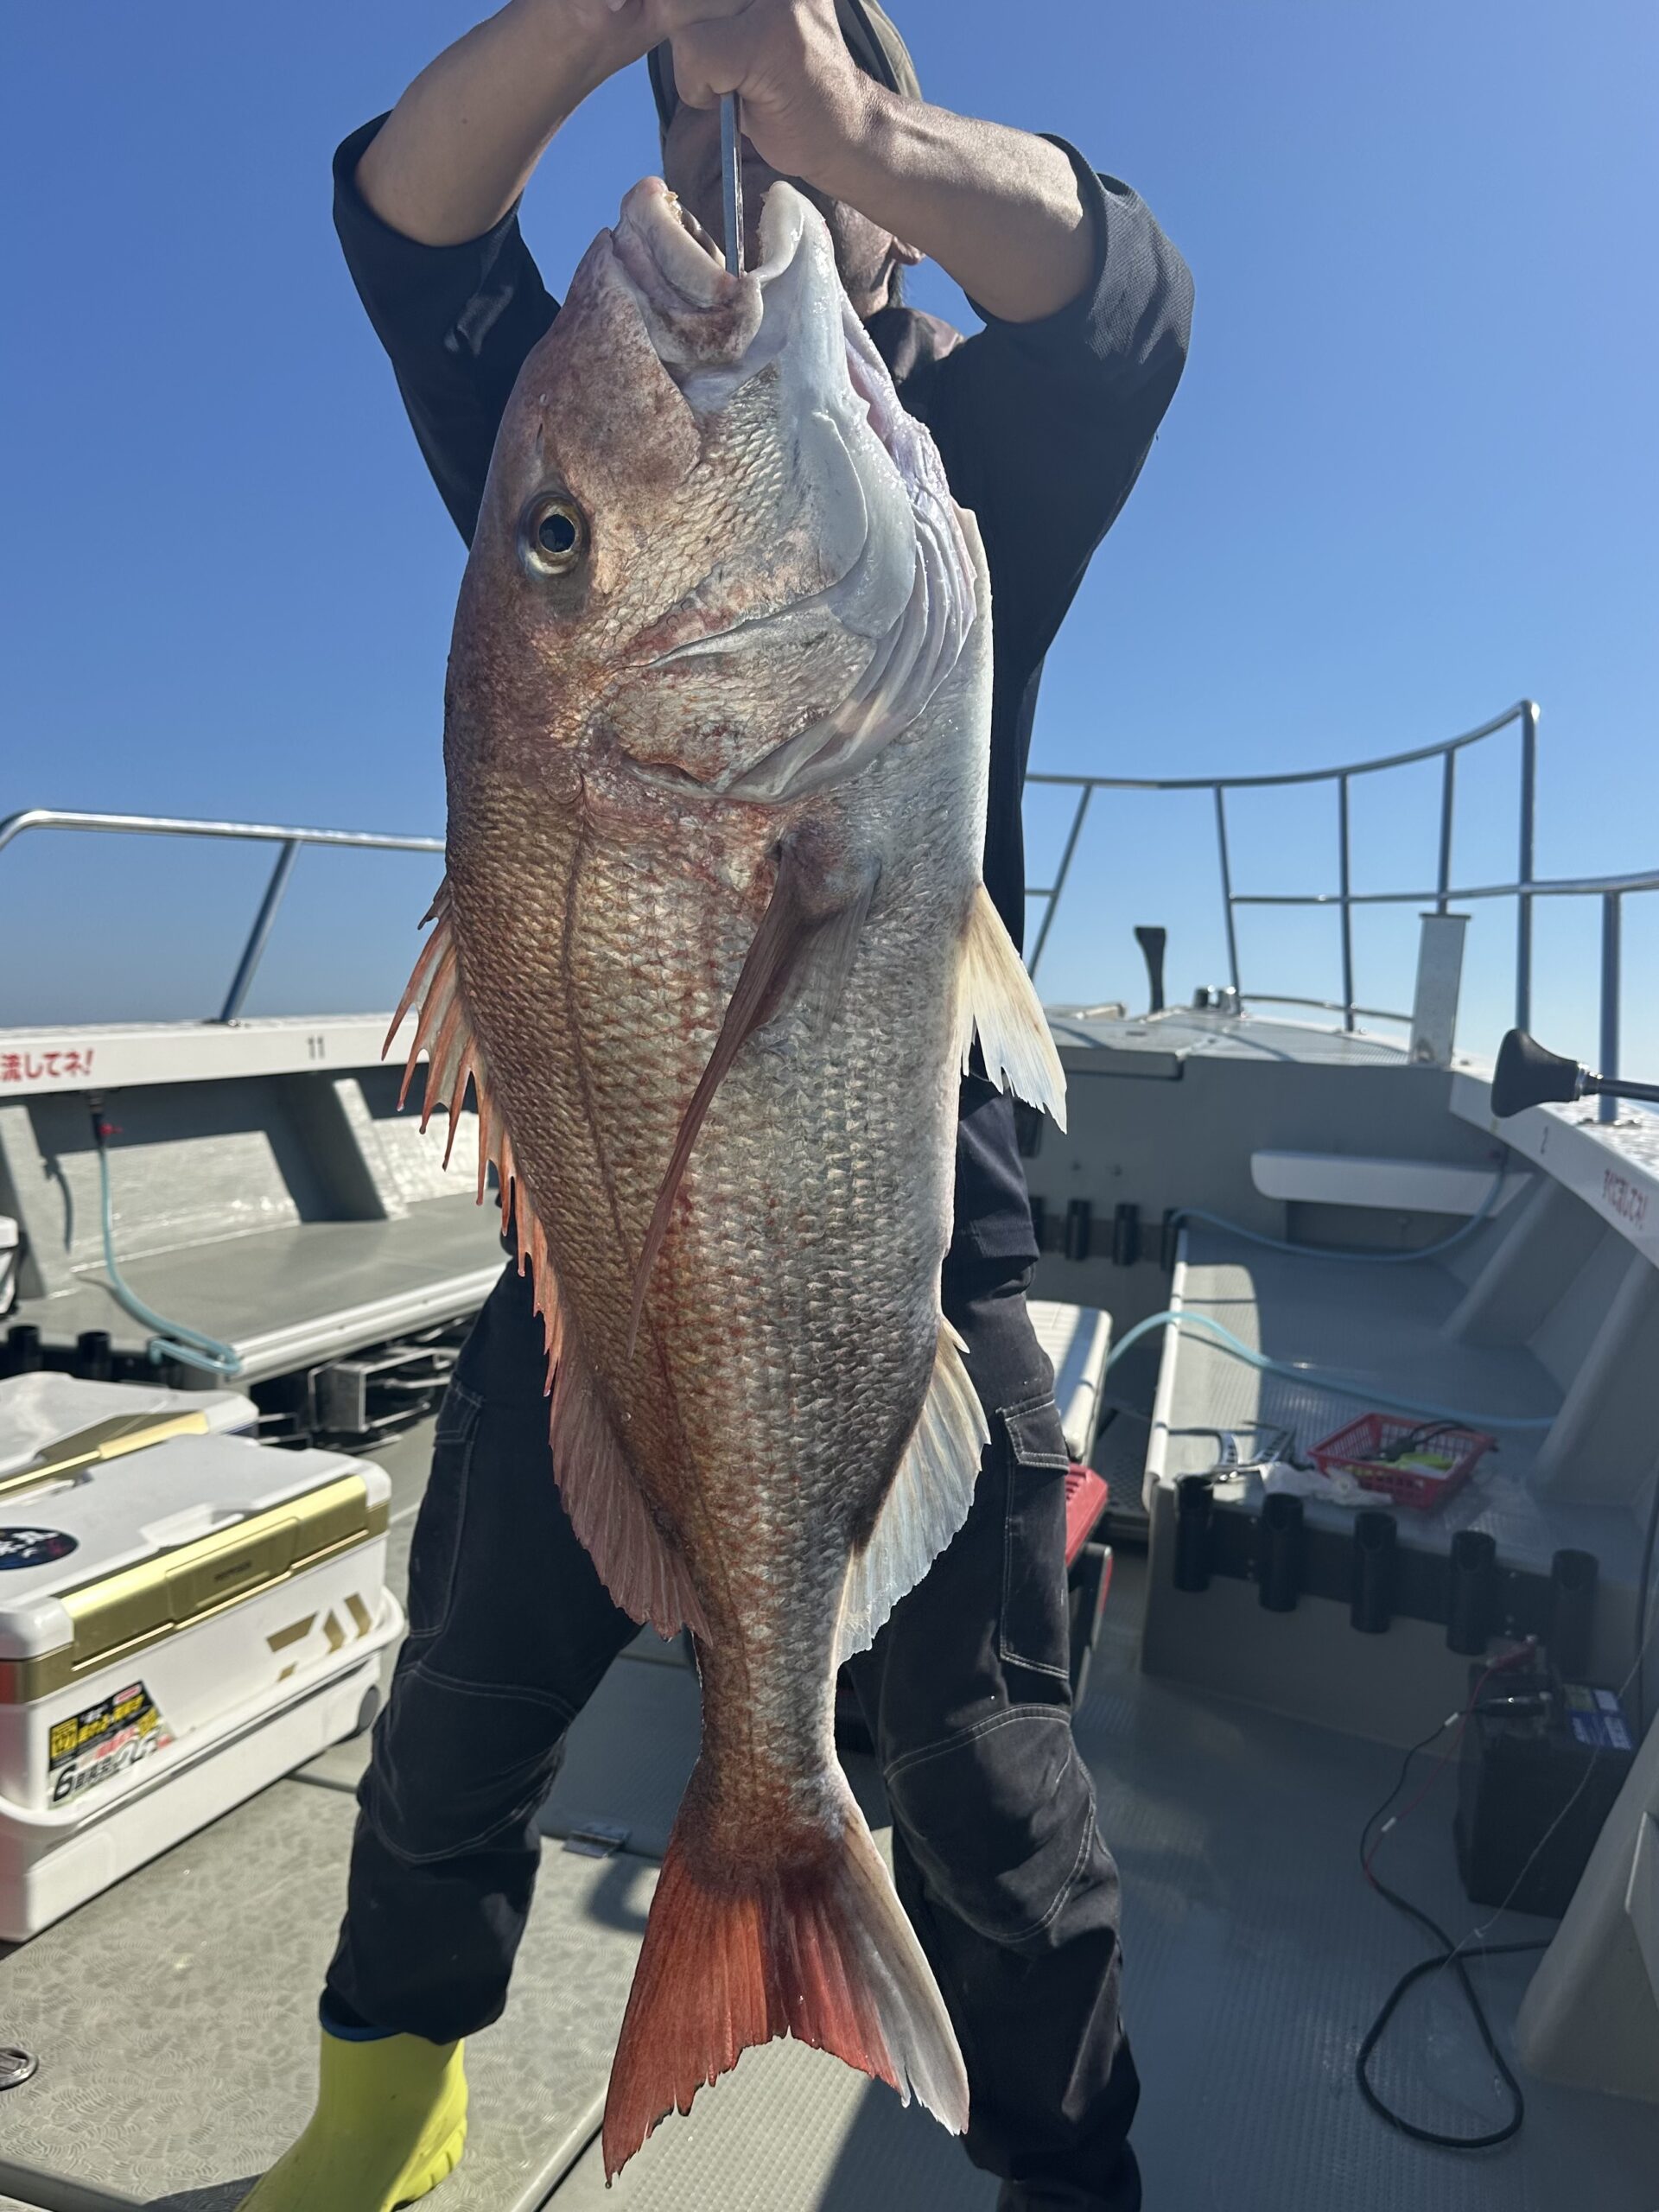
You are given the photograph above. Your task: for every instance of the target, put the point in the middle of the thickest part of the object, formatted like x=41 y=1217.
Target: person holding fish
x=764 y=567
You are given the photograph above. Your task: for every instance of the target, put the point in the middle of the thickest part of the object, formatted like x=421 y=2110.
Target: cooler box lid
x=45 y=1409
x=110 y=1541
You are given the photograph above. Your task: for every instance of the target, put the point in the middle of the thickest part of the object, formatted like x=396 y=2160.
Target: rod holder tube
x=1572 y=1580
x=1281 y=1545
x=1471 y=1593
x=1372 y=1602
x=94 y=1355
x=1194 y=1510
x=23 y=1354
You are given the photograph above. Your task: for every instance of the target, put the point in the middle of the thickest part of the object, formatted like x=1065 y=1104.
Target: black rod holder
x=23 y=1354
x=1572 y=1578
x=94 y=1355
x=1281 y=1557
x=1371 y=1608
x=1471 y=1595
x=1194 y=1510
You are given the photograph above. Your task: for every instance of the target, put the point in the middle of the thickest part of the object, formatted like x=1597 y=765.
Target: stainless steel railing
x=289 y=843
x=1612 y=890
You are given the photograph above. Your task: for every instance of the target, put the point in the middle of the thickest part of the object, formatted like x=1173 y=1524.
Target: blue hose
x=1341 y=1386
x=172 y=1339
x=1375 y=1259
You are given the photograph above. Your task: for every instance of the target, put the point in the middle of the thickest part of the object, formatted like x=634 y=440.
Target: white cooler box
x=185 y=1616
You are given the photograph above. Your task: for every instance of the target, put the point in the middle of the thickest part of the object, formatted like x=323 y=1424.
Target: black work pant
x=998 y=1859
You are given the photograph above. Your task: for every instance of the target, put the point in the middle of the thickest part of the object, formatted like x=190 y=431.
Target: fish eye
x=555 y=536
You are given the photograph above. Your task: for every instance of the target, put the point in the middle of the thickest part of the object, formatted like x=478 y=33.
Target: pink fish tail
x=815 y=1946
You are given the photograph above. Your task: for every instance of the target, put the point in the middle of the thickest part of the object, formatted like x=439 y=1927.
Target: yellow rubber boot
x=390 y=2123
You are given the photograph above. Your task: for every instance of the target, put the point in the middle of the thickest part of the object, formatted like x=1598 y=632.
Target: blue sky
x=1412 y=474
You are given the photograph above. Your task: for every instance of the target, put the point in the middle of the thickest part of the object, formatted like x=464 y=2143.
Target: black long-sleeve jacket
x=1042 y=428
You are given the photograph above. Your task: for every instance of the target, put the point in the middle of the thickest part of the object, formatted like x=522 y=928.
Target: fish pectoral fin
x=927 y=1504
x=1000 y=1001
x=802 y=954
x=638 y=1563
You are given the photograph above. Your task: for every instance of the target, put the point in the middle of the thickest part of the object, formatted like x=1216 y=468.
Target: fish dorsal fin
x=802 y=953
x=637 y=1562
x=927 y=1504
x=1000 y=1001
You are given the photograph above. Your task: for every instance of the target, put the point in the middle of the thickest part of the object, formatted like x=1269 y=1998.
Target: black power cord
x=1449 y=1953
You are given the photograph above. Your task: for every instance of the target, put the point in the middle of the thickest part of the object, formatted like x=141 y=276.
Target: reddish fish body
x=712 y=943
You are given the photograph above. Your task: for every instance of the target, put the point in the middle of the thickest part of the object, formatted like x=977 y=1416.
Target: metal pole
x=731 y=171
x=1523 y=871
x=1226 y=886
x=1448 y=783
x=1607 y=1108
x=1346 y=893
x=253 y=950
x=1059 y=879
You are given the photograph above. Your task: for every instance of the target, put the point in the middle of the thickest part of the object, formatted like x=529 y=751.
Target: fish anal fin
x=1000 y=1001
x=802 y=952
x=813 y=1944
x=928 y=1501
x=635 y=1561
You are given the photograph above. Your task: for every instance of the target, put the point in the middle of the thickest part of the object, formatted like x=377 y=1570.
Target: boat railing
x=1612 y=890
x=289 y=843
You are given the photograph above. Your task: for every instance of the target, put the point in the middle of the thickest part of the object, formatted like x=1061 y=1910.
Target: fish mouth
x=895 y=566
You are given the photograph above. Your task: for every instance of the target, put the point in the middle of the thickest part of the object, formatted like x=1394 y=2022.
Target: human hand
x=804 y=97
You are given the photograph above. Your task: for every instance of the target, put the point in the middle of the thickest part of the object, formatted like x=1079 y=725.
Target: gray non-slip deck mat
x=174 y=2019
x=629 y=1757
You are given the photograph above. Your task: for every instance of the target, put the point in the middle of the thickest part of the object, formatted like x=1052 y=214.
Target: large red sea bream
x=713 y=946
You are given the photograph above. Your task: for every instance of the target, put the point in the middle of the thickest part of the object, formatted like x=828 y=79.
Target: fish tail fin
x=818 y=1948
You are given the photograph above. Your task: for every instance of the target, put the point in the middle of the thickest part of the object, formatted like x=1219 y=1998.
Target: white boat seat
x=1076 y=1339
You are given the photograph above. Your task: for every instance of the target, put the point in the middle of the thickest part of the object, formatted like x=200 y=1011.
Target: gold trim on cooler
x=105 y=1440
x=138 y=1605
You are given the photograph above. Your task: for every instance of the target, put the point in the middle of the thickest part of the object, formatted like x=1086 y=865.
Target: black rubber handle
x=1527 y=1075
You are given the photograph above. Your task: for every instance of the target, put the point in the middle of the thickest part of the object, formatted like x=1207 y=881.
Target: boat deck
x=174 y=2021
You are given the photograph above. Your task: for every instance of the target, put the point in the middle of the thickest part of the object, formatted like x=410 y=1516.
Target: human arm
x=998 y=209
x=457 y=150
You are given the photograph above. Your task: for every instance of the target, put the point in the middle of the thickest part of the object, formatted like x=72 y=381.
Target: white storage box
x=181 y=1622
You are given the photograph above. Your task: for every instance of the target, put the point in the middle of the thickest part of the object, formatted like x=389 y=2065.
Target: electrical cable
x=1455 y=1955
x=1342 y=1386
x=172 y=1340
x=1449 y=1953
x=1481 y=1213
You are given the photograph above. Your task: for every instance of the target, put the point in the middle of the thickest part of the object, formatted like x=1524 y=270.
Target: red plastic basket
x=1357 y=1451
